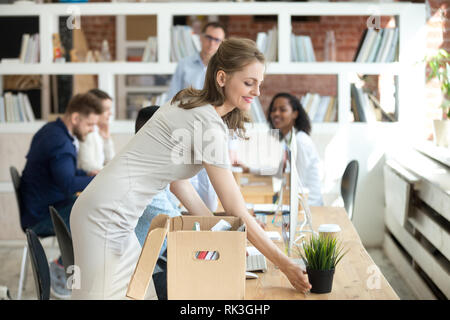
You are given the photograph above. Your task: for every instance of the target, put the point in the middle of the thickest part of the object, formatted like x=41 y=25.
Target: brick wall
x=98 y=28
x=348 y=32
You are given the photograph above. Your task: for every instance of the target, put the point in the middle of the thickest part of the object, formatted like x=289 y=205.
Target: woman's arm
x=233 y=203
x=190 y=199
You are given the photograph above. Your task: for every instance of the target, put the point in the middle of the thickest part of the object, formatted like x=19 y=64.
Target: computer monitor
x=296 y=194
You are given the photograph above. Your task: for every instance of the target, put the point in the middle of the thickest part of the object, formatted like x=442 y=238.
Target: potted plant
x=440 y=69
x=321 y=255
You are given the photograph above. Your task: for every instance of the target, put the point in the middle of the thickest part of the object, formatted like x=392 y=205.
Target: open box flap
x=143 y=272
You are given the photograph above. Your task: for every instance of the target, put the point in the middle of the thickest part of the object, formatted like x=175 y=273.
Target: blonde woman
x=182 y=137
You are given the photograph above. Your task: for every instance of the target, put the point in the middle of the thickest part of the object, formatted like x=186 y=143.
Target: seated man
x=51 y=177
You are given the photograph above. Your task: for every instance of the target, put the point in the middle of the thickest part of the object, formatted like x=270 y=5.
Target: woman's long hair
x=233 y=55
x=302 y=123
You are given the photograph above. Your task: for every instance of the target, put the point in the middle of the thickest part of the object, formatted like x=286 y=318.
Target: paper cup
x=329 y=230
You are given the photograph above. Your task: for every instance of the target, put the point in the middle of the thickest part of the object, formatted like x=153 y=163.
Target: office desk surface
x=356 y=275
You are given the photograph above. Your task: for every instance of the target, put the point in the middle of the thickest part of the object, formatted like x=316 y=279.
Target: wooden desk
x=259 y=189
x=356 y=276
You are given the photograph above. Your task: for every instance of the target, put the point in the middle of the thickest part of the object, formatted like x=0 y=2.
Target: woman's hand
x=296 y=276
x=103 y=129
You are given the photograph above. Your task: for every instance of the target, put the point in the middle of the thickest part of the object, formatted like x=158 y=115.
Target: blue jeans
x=45 y=226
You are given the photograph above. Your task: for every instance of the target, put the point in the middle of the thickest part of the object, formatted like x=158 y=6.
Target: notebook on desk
x=268 y=207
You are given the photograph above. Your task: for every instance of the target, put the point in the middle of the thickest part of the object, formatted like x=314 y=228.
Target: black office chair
x=39 y=264
x=15 y=177
x=348 y=186
x=64 y=239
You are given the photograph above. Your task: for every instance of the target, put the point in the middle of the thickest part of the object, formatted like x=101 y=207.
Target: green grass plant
x=321 y=252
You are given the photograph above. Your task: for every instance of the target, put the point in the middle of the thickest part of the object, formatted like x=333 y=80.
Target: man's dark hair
x=214 y=25
x=102 y=95
x=84 y=104
x=143 y=116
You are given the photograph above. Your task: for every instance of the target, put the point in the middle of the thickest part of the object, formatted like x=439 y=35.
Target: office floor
x=11 y=257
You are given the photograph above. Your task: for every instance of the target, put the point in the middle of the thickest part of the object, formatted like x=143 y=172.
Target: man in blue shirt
x=50 y=176
x=191 y=71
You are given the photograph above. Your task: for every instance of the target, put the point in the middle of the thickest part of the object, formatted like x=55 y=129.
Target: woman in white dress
x=181 y=138
x=287 y=115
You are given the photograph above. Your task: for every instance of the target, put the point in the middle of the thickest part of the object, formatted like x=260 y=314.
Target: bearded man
x=51 y=177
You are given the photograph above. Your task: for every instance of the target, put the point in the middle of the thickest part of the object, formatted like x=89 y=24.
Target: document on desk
x=273 y=235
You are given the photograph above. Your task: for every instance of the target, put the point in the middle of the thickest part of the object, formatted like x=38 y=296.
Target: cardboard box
x=192 y=278
x=187 y=276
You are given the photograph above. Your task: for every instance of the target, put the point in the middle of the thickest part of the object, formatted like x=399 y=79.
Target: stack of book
x=320 y=108
x=15 y=108
x=267 y=43
x=135 y=102
x=29 y=51
x=150 y=50
x=366 y=107
x=378 y=46
x=184 y=42
x=302 y=49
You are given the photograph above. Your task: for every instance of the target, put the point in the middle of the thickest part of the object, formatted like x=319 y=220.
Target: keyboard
x=256 y=262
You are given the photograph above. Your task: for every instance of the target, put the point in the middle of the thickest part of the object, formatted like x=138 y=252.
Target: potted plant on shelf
x=440 y=69
x=321 y=255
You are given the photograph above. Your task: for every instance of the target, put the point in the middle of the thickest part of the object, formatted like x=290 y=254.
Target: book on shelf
x=150 y=50
x=29 y=50
x=357 y=95
x=267 y=43
x=135 y=102
x=184 y=42
x=366 y=107
x=2 y=110
x=378 y=46
x=383 y=115
x=320 y=108
x=15 y=108
x=302 y=49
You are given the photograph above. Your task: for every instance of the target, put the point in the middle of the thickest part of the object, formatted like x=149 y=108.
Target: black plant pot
x=321 y=280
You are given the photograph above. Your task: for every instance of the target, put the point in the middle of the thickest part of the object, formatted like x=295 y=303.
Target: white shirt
x=95 y=152
x=308 y=167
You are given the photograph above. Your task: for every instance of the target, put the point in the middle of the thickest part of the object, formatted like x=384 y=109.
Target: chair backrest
x=39 y=264
x=64 y=239
x=15 y=177
x=348 y=186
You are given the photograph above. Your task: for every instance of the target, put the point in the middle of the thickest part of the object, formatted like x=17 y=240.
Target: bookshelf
x=342 y=138
x=408 y=15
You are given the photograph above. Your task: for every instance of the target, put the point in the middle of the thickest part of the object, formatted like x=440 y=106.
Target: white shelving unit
x=410 y=73
x=337 y=142
x=124 y=90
